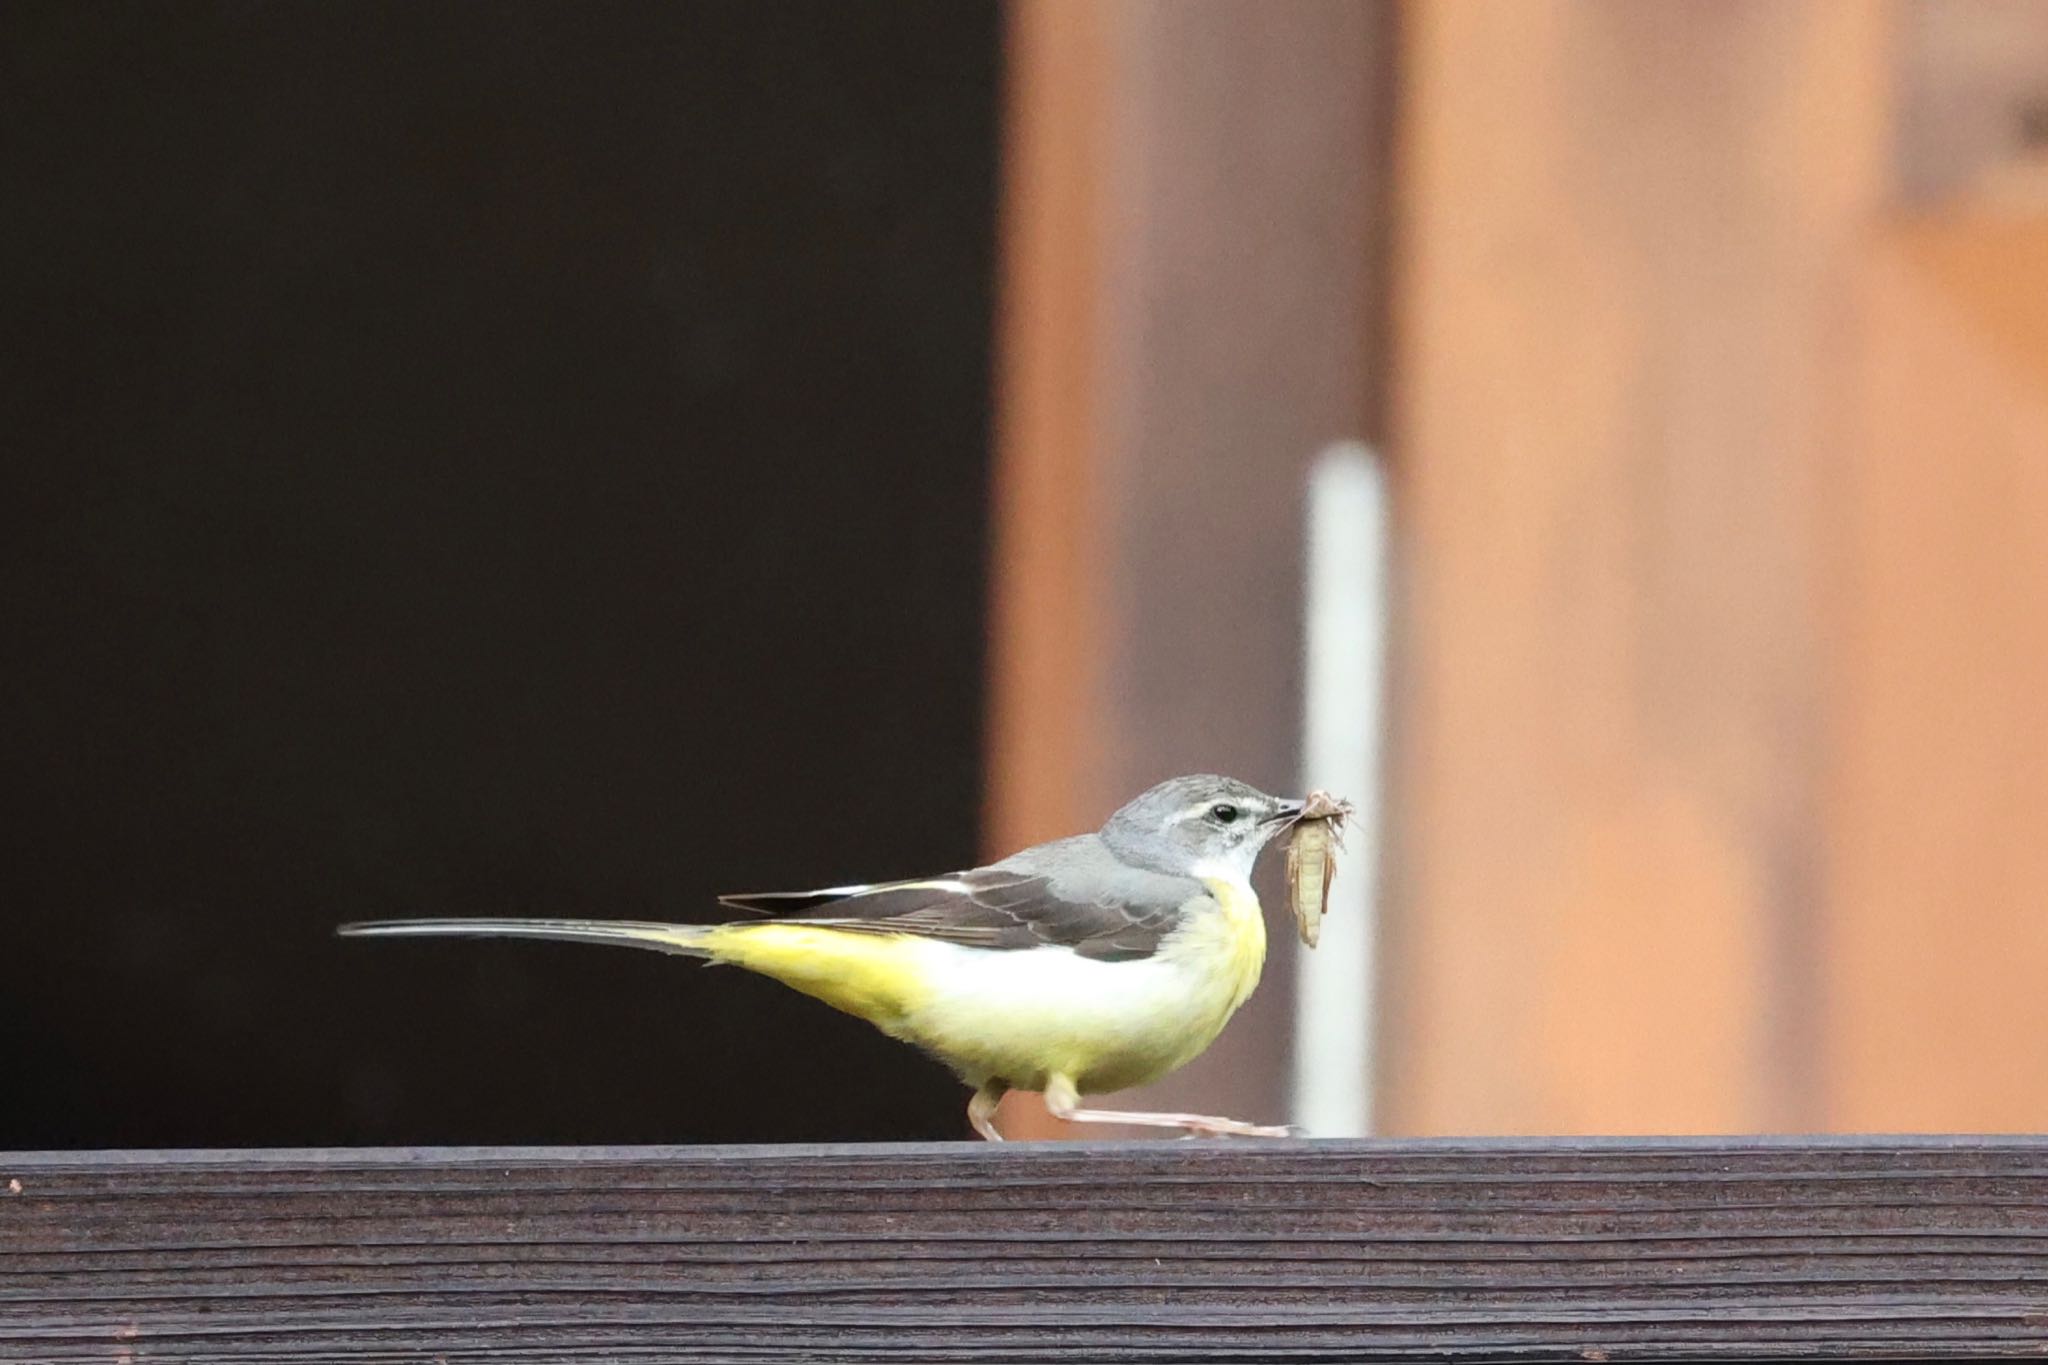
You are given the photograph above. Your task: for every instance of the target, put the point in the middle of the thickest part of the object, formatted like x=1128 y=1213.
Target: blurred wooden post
x=1626 y=232
x=1048 y=731
x=1189 y=237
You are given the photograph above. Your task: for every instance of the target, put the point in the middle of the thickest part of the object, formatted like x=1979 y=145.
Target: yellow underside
x=874 y=976
x=1021 y=1017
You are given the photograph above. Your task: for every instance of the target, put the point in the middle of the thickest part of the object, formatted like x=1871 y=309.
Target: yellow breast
x=1234 y=942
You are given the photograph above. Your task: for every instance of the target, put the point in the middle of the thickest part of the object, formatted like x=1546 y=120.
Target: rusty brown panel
x=1625 y=234
x=1192 y=243
x=1049 y=609
x=1047 y=613
x=1938 y=940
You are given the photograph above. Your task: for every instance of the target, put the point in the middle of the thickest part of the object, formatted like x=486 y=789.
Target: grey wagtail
x=1076 y=967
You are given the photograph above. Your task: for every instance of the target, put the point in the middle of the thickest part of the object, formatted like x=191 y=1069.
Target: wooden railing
x=1184 y=1251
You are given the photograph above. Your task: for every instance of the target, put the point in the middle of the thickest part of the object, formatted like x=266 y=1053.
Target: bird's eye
x=1223 y=815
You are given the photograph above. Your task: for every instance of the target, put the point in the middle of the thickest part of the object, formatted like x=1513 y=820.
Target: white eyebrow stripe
x=1188 y=812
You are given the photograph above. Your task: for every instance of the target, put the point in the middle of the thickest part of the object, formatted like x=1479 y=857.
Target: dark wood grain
x=1577 y=1250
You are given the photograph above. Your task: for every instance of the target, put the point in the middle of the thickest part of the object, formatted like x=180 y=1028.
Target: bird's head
x=1198 y=826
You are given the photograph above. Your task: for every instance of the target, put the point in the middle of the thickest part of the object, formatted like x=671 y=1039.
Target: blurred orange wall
x=1717 y=398
x=1936 y=955
x=1625 y=237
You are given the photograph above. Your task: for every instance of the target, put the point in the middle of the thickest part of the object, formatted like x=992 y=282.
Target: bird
x=1077 y=967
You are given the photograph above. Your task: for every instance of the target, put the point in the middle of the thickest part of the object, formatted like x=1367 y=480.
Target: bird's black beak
x=1289 y=812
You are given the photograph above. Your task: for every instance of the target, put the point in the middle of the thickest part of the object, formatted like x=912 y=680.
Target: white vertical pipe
x=1346 y=630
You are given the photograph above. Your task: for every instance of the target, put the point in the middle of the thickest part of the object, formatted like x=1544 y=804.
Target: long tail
x=877 y=977
x=686 y=939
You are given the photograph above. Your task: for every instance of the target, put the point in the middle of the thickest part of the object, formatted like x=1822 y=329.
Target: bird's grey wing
x=1098 y=913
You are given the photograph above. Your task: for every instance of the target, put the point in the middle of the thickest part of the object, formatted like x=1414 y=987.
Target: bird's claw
x=1227 y=1128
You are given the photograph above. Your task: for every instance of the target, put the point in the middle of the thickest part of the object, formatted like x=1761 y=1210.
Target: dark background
x=478 y=459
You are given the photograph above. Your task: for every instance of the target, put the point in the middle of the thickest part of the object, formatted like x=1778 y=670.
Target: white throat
x=1233 y=866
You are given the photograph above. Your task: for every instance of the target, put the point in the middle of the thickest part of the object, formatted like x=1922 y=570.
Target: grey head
x=1199 y=825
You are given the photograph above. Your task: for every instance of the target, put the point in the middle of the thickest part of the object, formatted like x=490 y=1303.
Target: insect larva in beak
x=1311 y=862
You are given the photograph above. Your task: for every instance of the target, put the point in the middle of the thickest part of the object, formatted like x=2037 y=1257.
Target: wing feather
x=996 y=908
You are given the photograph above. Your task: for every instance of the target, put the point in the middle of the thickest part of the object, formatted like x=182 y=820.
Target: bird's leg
x=1063 y=1101
x=981 y=1109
